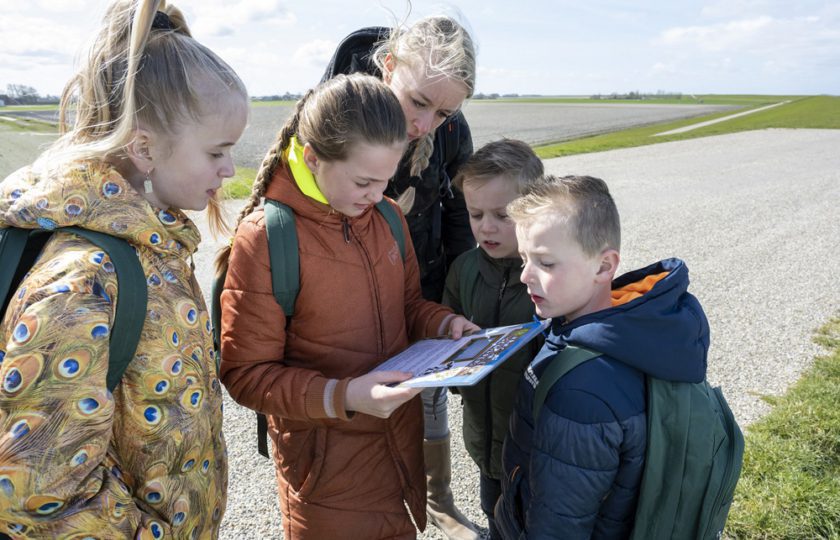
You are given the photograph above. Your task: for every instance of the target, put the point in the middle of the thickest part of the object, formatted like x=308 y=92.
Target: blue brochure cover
x=461 y=362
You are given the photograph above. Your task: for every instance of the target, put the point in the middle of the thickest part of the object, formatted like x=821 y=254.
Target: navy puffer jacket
x=576 y=474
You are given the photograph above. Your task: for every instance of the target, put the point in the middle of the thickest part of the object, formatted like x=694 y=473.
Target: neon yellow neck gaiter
x=303 y=176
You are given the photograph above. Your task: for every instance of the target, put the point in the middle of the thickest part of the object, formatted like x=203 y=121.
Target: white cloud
x=217 y=18
x=734 y=8
x=63 y=6
x=484 y=71
x=719 y=37
x=316 y=53
x=661 y=68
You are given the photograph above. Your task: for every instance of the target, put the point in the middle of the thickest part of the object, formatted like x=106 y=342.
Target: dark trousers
x=490 y=490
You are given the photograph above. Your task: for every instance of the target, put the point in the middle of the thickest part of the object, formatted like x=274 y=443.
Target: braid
x=419 y=161
x=273 y=158
x=422 y=154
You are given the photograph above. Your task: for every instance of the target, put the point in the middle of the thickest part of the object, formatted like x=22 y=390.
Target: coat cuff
x=325 y=398
x=444 y=324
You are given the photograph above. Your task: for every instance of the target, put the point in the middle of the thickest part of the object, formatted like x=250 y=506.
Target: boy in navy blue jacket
x=576 y=473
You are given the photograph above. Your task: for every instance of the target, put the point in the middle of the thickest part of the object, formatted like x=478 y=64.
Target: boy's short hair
x=510 y=158
x=582 y=203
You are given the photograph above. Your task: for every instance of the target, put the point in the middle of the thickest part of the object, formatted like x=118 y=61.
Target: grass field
x=803 y=112
x=26 y=124
x=790 y=483
x=706 y=99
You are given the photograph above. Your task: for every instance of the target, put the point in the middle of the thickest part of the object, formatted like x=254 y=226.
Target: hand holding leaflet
x=460 y=362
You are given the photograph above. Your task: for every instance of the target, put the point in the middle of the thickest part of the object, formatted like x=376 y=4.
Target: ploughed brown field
x=534 y=123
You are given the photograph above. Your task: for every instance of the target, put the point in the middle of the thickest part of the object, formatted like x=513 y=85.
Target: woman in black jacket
x=430 y=66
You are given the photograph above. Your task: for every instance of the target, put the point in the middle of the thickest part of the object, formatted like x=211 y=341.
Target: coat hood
x=96 y=198
x=655 y=324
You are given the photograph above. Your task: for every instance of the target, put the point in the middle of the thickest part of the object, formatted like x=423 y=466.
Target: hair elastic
x=162 y=21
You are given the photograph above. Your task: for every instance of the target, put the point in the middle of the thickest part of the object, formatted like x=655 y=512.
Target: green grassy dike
x=790 y=483
x=807 y=112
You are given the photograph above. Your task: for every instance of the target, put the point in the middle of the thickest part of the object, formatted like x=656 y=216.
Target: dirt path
x=717 y=120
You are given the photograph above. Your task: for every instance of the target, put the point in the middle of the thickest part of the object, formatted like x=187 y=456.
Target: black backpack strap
x=262 y=434
x=132 y=296
x=394 y=222
x=565 y=361
x=283 y=254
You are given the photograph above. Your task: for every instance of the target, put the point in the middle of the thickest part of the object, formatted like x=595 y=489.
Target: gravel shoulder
x=755 y=217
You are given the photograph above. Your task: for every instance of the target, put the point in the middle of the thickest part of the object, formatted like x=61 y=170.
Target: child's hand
x=459 y=326
x=369 y=394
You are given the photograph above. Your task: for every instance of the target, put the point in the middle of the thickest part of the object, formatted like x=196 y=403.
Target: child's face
x=352 y=185
x=189 y=168
x=426 y=101
x=490 y=224
x=561 y=278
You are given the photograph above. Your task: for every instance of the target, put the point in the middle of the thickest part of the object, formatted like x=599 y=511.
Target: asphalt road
x=755 y=216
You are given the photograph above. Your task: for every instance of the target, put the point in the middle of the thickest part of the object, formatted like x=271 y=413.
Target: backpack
x=284 y=259
x=355 y=53
x=692 y=459
x=22 y=247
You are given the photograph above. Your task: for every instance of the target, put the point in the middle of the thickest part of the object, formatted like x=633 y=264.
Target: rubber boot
x=441 y=505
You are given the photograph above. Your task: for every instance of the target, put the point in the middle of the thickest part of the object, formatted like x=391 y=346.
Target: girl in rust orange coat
x=347 y=446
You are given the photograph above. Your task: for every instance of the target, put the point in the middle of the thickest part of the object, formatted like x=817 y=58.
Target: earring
x=147 y=183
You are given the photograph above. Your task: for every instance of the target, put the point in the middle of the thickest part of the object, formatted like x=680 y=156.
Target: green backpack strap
x=216 y=315
x=394 y=222
x=283 y=248
x=284 y=258
x=12 y=245
x=565 y=361
x=467 y=281
x=130 y=311
x=283 y=254
x=132 y=297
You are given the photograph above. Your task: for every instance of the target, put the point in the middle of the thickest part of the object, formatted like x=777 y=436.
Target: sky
x=547 y=47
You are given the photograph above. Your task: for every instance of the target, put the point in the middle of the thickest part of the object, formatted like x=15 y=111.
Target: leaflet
x=461 y=362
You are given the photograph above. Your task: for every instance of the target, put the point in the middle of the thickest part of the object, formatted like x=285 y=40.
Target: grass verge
x=239 y=185
x=790 y=483
x=809 y=112
x=31 y=125
x=744 y=100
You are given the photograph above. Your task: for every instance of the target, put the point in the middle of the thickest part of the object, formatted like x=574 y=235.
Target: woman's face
x=426 y=100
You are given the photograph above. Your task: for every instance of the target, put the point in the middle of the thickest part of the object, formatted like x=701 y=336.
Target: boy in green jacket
x=483 y=285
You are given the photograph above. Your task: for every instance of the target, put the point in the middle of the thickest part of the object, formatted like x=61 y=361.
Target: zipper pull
x=346 y=227
x=504 y=284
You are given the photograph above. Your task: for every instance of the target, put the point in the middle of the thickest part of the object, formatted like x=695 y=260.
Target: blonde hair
x=511 y=159
x=581 y=203
x=443 y=48
x=135 y=75
x=332 y=118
